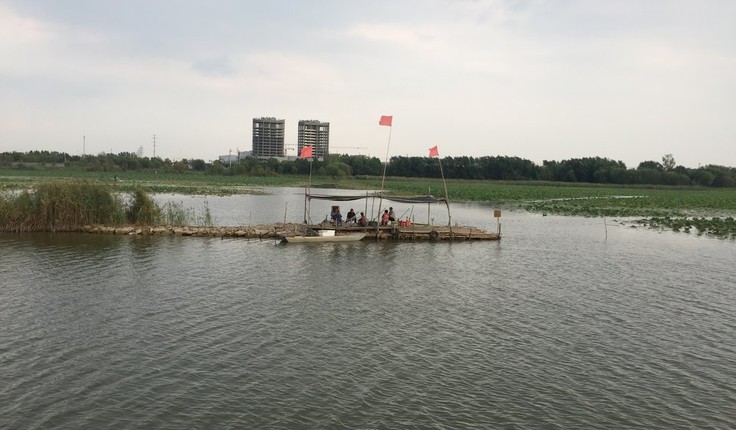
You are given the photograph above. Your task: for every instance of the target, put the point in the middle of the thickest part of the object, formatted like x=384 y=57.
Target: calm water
x=556 y=326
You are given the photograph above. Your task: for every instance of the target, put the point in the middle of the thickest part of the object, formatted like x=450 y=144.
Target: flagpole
x=306 y=152
x=386 y=120
x=385 y=165
x=433 y=152
x=306 y=195
x=447 y=197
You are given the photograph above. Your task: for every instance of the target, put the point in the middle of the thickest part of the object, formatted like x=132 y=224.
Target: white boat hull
x=317 y=239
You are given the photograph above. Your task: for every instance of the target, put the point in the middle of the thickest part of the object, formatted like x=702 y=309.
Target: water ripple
x=129 y=332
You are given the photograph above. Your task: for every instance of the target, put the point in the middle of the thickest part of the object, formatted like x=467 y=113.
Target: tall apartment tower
x=315 y=133
x=268 y=137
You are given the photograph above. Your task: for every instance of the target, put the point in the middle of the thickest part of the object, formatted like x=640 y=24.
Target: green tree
x=653 y=165
x=198 y=165
x=702 y=177
x=668 y=162
x=337 y=170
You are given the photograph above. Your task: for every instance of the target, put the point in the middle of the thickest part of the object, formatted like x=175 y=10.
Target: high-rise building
x=268 y=138
x=315 y=133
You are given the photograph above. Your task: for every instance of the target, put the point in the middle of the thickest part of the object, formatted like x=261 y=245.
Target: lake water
x=564 y=323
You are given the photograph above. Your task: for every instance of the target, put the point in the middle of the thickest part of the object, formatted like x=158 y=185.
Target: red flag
x=386 y=120
x=306 y=152
x=433 y=152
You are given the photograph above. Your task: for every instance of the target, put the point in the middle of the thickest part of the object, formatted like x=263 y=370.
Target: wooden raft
x=414 y=232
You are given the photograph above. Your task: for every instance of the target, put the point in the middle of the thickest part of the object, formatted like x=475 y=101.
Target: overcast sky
x=629 y=80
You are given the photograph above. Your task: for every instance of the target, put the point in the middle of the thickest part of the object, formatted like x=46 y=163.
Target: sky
x=628 y=80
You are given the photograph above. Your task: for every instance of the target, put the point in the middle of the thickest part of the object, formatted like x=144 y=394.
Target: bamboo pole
x=447 y=198
x=383 y=179
x=307 y=192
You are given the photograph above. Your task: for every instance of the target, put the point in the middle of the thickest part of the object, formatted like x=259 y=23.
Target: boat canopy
x=414 y=199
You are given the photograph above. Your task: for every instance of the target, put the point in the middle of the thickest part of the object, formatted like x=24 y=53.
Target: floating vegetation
x=715 y=226
x=193 y=183
x=610 y=206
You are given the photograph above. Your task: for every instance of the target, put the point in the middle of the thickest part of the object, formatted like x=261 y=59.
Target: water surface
x=564 y=323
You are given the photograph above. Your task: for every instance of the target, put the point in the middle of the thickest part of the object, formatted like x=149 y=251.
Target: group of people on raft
x=387 y=217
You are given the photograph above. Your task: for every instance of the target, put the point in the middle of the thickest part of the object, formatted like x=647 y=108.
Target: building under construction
x=268 y=138
x=315 y=133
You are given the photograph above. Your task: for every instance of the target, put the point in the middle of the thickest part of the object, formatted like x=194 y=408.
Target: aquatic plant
x=206 y=218
x=724 y=227
x=142 y=209
x=70 y=205
x=543 y=197
x=173 y=213
x=52 y=206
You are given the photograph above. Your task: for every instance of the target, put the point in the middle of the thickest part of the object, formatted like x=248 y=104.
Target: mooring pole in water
x=605 y=226
x=497 y=215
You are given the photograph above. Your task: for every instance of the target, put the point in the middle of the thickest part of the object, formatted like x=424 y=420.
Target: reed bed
x=175 y=214
x=52 y=206
x=70 y=205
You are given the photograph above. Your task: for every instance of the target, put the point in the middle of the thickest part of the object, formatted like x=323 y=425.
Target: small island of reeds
x=71 y=205
x=67 y=203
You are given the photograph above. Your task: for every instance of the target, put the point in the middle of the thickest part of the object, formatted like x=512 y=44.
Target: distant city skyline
x=625 y=80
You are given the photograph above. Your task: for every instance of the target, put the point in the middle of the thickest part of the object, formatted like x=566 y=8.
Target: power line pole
x=154 y=146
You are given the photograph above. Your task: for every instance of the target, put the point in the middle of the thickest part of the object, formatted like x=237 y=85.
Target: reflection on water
x=556 y=326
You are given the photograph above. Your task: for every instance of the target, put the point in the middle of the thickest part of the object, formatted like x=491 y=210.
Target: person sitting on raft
x=362 y=221
x=337 y=217
x=384 y=217
x=351 y=216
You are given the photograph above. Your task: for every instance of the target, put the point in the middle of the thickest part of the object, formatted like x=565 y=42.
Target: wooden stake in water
x=605 y=227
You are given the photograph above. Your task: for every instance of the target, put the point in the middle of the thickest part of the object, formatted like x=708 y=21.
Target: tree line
x=595 y=170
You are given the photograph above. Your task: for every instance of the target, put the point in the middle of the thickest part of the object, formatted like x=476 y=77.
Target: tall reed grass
x=142 y=209
x=173 y=213
x=68 y=206
x=55 y=206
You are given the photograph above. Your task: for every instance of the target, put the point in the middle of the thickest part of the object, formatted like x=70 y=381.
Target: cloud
x=20 y=29
x=387 y=34
x=529 y=78
x=214 y=66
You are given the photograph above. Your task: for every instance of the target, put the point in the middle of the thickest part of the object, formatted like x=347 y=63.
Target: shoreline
x=281 y=230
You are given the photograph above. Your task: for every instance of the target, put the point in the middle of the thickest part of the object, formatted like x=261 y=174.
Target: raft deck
x=410 y=232
x=280 y=230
